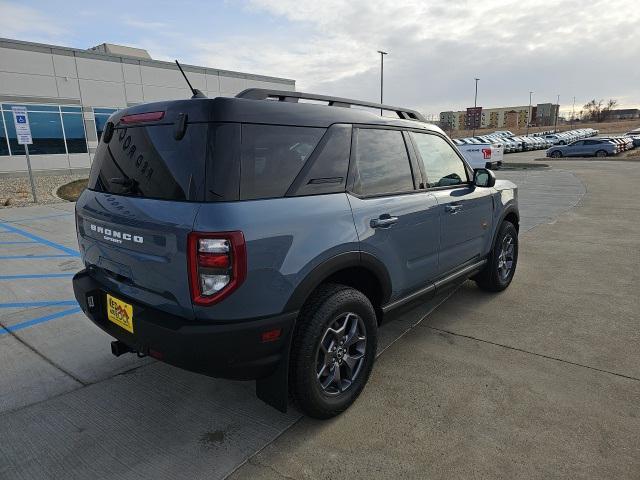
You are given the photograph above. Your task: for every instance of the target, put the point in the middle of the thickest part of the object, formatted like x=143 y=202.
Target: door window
x=382 y=163
x=441 y=163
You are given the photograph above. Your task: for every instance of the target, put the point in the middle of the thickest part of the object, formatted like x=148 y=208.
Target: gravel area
x=16 y=191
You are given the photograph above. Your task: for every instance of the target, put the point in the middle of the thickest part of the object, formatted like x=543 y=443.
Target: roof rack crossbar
x=287 y=96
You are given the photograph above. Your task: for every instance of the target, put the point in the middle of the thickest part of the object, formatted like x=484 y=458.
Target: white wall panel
x=232 y=84
x=134 y=93
x=65 y=66
x=29 y=85
x=99 y=93
x=99 y=69
x=153 y=93
x=68 y=87
x=131 y=73
x=24 y=61
x=170 y=78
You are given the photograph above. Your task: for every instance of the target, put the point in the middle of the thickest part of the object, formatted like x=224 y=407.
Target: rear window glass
x=148 y=162
x=382 y=163
x=272 y=156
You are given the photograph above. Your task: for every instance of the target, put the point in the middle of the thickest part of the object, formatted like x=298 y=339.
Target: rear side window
x=272 y=156
x=441 y=163
x=149 y=162
x=382 y=164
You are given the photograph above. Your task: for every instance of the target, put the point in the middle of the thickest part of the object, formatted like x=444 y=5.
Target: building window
x=74 y=132
x=50 y=126
x=101 y=115
x=4 y=146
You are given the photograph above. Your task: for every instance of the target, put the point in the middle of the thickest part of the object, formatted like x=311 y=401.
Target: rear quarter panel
x=286 y=239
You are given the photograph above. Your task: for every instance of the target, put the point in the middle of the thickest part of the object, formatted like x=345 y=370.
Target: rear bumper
x=230 y=350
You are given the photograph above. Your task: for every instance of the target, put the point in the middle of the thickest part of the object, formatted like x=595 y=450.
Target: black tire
x=327 y=305
x=492 y=277
x=556 y=154
x=601 y=153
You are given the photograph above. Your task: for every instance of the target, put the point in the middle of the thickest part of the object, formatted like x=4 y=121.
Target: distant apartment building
x=501 y=117
x=545 y=114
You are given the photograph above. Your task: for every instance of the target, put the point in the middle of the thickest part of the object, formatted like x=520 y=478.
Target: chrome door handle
x=452 y=209
x=383 y=222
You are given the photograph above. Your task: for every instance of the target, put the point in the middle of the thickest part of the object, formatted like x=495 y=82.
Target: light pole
x=475 y=105
x=529 y=115
x=382 y=54
x=555 y=126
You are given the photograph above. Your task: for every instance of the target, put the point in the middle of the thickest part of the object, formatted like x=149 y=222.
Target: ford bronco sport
x=266 y=236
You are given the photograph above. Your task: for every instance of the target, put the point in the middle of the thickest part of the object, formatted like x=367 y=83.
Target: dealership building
x=69 y=94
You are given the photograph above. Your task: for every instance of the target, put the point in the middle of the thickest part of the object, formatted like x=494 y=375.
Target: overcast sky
x=582 y=48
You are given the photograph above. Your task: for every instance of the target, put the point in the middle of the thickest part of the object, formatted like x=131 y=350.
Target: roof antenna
x=196 y=93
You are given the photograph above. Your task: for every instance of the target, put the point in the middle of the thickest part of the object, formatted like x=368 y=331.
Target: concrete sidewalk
x=540 y=381
x=69 y=409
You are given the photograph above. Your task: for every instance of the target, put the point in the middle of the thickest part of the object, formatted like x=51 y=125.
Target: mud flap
x=274 y=389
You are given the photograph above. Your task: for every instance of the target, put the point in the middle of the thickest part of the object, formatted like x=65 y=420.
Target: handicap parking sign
x=21 y=122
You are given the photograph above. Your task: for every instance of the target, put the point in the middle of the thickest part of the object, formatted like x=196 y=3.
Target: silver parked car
x=584 y=148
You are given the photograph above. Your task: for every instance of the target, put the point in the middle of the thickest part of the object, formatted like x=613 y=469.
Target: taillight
x=486 y=152
x=217 y=265
x=142 y=117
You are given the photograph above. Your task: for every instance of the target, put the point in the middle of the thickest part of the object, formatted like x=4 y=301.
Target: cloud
x=436 y=48
x=27 y=23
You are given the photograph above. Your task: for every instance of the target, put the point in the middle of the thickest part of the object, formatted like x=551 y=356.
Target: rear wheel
x=601 y=153
x=333 y=350
x=501 y=264
x=556 y=154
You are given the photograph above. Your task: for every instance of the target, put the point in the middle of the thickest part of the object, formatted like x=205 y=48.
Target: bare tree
x=606 y=111
x=596 y=111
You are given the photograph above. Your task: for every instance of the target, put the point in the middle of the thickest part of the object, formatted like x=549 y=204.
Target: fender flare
x=511 y=208
x=333 y=265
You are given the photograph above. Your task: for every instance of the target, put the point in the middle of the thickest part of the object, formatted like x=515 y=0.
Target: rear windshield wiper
x=128 y=184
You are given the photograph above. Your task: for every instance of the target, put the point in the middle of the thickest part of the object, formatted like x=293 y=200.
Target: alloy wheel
x=341 y=353
x=505 y=257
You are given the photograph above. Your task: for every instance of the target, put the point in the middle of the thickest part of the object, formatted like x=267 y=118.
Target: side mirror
x=483 y=177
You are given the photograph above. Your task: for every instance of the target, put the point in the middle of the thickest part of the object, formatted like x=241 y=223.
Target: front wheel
x=556 y=154
x=601 y=153
x=501 y=264
x=333 y=351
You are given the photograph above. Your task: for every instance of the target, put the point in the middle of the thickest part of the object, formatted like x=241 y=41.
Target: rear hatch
x=143 y=196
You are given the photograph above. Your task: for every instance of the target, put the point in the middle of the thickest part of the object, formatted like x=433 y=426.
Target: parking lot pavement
x=68 y=409
x=540 y=381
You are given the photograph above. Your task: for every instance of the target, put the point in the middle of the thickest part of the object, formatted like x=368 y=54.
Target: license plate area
x=120 y=313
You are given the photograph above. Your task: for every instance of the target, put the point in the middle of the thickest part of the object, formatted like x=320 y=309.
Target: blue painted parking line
x=46 y=303
x=39 y=320
x=17 y=242
x=44 y=241
x=66 y=214
x=22 y=257
x=36 y=275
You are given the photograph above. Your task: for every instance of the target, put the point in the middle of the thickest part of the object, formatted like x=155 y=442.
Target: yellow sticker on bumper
x=120 y=313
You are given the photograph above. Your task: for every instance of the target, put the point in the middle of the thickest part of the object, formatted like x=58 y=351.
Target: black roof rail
x=287 y=96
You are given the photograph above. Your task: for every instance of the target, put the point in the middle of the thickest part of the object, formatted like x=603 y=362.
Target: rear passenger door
x=396 y=222
x=465 y=211
x=577 y=149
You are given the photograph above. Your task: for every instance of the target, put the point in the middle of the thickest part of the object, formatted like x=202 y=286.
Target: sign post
x=23 y=133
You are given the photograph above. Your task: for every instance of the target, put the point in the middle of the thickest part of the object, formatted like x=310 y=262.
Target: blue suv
x=265 y=237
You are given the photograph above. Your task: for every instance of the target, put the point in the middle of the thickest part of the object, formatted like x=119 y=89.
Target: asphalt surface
x=451 y=397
